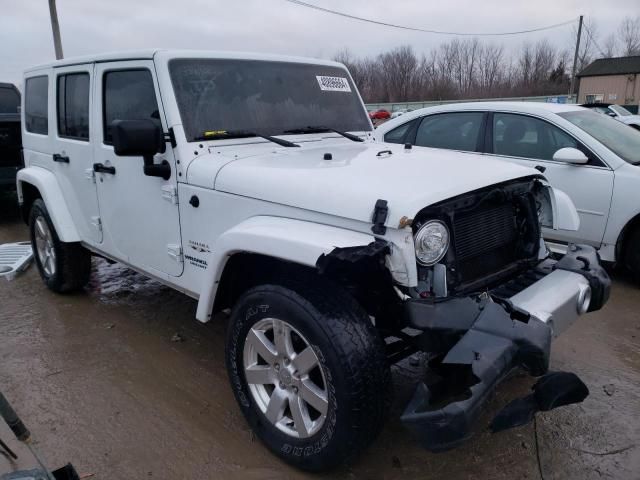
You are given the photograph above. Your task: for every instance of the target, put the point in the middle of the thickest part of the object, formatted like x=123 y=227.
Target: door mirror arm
x=150 y=169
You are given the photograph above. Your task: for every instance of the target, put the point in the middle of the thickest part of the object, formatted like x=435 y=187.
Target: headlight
x=432 y=242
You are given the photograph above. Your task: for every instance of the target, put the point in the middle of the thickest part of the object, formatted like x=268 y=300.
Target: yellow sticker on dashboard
x=212 y=133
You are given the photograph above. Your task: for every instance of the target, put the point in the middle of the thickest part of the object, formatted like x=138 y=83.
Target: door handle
x=100 y=168
x=60 y=158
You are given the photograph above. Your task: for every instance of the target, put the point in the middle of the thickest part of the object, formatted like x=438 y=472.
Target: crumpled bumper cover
x=493 y=346
x=493 y=339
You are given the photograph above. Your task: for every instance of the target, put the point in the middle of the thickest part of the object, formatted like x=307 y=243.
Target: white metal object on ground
x=14 y=258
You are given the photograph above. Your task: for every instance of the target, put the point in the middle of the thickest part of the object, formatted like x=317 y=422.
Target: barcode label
x=333 y=84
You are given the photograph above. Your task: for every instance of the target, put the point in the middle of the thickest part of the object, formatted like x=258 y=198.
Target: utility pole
x=57 y=41
x=575 y=59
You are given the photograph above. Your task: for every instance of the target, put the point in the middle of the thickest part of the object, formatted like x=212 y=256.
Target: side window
x=73 y=106
x=452 y=131
x=528 y=137
x=398 y=134
x=36 y=105
x=128 y=95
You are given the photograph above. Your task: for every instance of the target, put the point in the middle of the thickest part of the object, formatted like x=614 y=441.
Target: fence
x=392 y=107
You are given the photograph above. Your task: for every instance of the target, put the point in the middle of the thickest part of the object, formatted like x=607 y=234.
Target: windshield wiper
x=224 y=134
x=351 y=137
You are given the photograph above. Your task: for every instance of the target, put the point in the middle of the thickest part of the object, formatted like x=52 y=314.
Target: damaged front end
x=489 y=302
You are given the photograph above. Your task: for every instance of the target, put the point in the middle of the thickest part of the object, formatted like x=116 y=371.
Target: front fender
x=46 y=183
x=292 y=240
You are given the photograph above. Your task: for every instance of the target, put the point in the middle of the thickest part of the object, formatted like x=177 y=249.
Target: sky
x=278 y=26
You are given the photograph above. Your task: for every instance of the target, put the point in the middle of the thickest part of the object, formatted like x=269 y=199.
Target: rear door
x=72 y=157
x=532 y=141
x=139 y=213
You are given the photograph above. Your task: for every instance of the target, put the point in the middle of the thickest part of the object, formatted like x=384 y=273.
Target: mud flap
x=441 y=417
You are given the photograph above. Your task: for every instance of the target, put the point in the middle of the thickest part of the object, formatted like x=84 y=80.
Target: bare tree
x=610 y=46
x=629 y=35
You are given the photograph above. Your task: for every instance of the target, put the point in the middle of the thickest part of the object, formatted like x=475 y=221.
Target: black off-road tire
x=632 y=253
x=72 y=260
x=353 y=361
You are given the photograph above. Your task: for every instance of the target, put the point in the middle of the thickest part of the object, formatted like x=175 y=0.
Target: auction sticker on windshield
x=333 y=84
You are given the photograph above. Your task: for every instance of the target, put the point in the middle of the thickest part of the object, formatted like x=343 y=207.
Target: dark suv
x=10 y=140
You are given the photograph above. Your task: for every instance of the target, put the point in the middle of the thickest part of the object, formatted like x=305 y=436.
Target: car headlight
x=432 y=242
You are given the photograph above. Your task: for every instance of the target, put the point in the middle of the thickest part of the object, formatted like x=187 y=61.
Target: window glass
x=9 y=100
x=616 y=136
x=73 y=106
x=528 y=137
x=270 y=98
x=453 y=131
x=594 y=98
x=36 y=103
x=128 y=95
x=398 y=134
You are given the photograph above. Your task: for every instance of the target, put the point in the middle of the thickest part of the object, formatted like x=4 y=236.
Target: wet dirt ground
x=99 y=381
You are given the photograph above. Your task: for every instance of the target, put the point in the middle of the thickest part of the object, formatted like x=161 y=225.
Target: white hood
x=349 y=184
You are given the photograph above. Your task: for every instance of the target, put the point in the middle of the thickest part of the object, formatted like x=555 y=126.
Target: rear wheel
x=64 y=267
x=309 y=373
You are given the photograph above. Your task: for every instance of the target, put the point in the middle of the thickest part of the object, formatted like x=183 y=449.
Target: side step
x=14 y=258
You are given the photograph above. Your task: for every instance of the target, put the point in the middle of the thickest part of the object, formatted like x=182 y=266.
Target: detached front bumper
x=488 y=339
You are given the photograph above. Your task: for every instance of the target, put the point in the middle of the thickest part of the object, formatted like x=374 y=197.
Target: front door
x=532 y=141
x=72 y=158
x=139 y=213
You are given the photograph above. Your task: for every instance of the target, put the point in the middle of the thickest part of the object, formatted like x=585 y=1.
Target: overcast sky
x=92 y=26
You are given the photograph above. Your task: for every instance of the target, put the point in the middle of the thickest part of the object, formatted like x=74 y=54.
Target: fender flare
x=46 y=183
x=296 y=241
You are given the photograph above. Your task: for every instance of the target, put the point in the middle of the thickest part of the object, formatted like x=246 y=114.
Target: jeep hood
x=349 y=184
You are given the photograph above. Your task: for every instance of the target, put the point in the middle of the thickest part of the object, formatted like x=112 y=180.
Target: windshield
x=265 y=97
x=621 y=139
x=623 y=112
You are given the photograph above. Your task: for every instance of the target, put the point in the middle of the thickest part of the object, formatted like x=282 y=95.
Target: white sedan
x=590 y=156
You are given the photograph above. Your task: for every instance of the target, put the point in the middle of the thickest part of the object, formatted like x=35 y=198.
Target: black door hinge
x=170 y=137
x=380 y=213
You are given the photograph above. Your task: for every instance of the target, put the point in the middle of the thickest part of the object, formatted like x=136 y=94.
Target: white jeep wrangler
x=251 y=182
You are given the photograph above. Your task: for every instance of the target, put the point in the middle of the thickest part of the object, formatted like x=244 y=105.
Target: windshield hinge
x=170 y=137
x=170 y=194
x=380 y=213
x=175 y=252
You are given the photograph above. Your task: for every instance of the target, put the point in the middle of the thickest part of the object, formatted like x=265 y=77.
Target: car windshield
x=623 y=112
x=265 y=97
x=621 y=139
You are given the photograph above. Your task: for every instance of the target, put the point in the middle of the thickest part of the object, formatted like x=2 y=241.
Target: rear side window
x=451 y=131
x=36 y=101
x=9 y=100
x=73 y=106
x=128 y=95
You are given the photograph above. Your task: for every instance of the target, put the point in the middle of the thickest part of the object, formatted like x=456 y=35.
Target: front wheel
x=309 y=373
x=64 y=267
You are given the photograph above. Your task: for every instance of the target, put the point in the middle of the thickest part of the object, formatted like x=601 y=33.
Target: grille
x=485 y=240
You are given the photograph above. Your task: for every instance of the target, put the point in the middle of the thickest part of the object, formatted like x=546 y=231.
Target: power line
x=424 y=30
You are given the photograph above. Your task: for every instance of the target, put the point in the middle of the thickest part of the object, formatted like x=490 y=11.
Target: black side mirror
x=141 y=138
